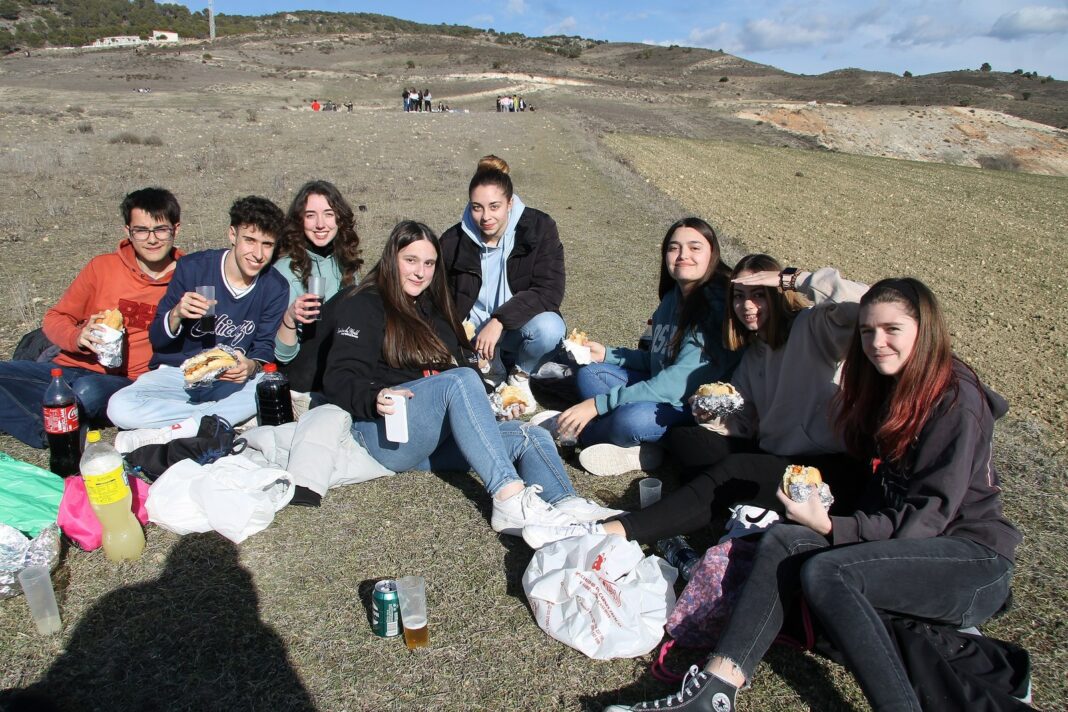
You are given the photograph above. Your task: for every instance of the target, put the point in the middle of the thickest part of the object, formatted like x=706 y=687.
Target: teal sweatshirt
x=325 y=267
x=673 y=381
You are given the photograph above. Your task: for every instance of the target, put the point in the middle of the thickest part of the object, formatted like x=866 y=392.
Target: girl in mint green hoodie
x=630 y=396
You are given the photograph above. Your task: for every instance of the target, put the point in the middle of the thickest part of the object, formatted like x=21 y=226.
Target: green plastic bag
x=29 y=496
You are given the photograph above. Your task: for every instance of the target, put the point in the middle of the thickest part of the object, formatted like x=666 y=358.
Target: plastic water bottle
x=274 y=404
x=109 y=495
x=678 y=552
x=60 y=410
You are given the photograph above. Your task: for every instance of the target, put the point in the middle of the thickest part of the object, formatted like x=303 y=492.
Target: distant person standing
x=428 y=100
x=406 y=99
x=505 y=268
x=315 y=105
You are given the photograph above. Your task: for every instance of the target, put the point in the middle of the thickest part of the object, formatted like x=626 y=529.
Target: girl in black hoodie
x=930 y=540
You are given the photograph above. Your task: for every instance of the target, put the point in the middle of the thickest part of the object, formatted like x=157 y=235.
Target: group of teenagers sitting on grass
x=858 y=381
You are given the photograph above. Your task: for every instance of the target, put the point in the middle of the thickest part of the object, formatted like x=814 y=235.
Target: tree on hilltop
x=985 y=67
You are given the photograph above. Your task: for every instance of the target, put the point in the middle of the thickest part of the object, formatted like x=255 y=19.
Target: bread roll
x=800 y=475
x=717 y=389
x=199 y=366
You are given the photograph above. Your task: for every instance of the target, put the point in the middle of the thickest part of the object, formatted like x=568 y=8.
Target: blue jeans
x=530 y=345
x=159 y=398
x=451 y=427
x=22 y=388
x=630 y=423
x=943 y=579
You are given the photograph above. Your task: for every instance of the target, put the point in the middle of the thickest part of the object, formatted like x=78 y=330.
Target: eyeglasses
x=162 y=232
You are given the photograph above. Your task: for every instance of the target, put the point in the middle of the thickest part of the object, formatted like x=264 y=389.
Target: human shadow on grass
x=192 y=639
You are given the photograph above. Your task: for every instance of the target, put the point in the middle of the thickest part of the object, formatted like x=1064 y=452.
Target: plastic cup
x=208 y=292
x=649 y=491
x=36 y=582
x=317 y=286
x=411 y=592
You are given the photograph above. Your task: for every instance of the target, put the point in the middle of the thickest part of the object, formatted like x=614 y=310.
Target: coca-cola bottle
x=274 y=403
x=61 y=425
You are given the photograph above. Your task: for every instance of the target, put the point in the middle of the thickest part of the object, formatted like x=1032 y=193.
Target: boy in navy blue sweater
x=250 y=299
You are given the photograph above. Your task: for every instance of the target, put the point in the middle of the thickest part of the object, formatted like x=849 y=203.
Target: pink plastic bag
x=76 y=517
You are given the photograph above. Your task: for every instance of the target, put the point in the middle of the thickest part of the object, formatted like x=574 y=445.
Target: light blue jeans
x=631 y=423
x=530 y=345
x=451 y=427
x=159 y=398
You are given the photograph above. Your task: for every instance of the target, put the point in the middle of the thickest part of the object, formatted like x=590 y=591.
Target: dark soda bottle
x=678 y=552
x=61 y=426
x=274 y=404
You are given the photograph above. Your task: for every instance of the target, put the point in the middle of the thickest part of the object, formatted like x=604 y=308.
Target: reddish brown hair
x=882 y=415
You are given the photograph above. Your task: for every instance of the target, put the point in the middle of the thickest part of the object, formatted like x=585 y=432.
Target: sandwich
x=800 y=476
x=213 y=361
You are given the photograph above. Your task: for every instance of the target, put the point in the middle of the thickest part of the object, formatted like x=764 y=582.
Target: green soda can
x=385 y=609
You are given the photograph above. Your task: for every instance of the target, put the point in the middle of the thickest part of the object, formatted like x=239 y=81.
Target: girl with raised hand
x=505 y=268
x=630 y=396
x=795 y=327
x=320 y=240
x=929 y=541
x=397 y=335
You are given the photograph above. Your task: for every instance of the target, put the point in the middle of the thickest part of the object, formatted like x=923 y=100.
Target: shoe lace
x=531 y=501
x=690 y=684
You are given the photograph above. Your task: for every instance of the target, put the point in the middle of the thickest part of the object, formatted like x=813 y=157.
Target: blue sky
x=804 y=36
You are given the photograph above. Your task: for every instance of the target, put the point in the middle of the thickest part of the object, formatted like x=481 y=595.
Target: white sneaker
x=585 y=510
x=606 y=460
x=525 y=508
x=521 y=380
x=129 y=440
x=747 y=519
x=538 y=535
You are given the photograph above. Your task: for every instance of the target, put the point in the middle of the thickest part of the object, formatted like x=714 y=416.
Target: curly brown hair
x=346 y=244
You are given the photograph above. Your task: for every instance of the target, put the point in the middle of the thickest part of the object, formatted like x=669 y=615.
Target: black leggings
x=697 y=449
x=749 y=478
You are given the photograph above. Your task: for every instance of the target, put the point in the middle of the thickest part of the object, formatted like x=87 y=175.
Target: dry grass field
x=280 y=622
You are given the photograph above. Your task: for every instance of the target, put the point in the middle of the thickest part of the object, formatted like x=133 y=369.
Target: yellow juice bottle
x=110 y=497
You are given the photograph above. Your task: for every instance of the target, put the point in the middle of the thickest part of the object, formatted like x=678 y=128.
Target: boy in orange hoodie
x=132 y=279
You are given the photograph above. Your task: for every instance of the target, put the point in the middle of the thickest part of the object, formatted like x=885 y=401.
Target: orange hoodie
x=109 y=281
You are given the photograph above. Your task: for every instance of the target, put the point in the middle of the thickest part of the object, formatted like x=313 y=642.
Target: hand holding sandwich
x=89 y=339
x=241 y=372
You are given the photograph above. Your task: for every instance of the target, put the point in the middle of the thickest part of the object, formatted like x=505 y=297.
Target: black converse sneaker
x=700 y=692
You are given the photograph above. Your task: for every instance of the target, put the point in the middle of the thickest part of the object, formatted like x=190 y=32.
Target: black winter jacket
x=535 y=270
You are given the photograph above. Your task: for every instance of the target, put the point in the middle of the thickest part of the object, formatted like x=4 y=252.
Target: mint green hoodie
x=325 y=267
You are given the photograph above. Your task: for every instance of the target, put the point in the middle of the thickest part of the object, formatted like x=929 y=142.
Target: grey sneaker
x=520 y=510
x=606 y=460
x=585 y=510
x=538 y=535
x=701 y=692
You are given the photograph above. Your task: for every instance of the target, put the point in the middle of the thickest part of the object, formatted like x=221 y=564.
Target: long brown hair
x=886 y=413
x=410 y=342
x=782 y=307
x=346 y=243
x=694 y=307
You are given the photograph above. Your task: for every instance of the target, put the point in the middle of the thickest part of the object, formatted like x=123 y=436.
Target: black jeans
x=943 y=579
x=749 y=478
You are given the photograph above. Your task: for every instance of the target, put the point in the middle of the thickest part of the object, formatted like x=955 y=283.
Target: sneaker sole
x=604 y=460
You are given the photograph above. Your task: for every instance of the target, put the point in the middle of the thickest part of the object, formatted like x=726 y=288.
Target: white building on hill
x=157 y=37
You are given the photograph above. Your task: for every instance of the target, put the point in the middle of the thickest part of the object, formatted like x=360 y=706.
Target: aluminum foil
x=17 y=552
x=801 y=493
x=208 y=379
x=718 y=406
x=109 y=353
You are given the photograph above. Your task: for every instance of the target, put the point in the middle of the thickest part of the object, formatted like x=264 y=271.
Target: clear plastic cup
x=36 y=582
x=649 y=491
x=411 y=592
x=317 y=286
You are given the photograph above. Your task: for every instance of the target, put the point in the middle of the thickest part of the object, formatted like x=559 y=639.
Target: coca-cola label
x=63 y=419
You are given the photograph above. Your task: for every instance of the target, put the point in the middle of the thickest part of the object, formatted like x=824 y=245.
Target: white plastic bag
x=601 y=595
x=233 y=496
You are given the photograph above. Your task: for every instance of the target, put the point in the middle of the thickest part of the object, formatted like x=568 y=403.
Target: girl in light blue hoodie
x=631 y=397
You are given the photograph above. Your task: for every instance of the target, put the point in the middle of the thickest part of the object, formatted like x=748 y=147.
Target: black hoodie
x=946 y=485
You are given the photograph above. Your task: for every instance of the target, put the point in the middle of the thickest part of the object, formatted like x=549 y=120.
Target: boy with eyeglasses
x=249 y=299
x=132 y=279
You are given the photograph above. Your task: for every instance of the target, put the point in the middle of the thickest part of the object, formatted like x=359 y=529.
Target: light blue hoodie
x=495 y=290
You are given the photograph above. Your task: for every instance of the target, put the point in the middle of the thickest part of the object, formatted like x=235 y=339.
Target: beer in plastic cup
x=411 y=590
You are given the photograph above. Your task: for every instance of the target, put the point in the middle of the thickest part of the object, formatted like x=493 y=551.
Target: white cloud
x=926 y=30
x=566 y=26
x=480 y=21
x=1031 y=20
x=517 y=7
x=763 y=34
x=721 y=35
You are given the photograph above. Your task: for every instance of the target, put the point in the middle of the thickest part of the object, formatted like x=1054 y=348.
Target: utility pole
x=211 y=20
